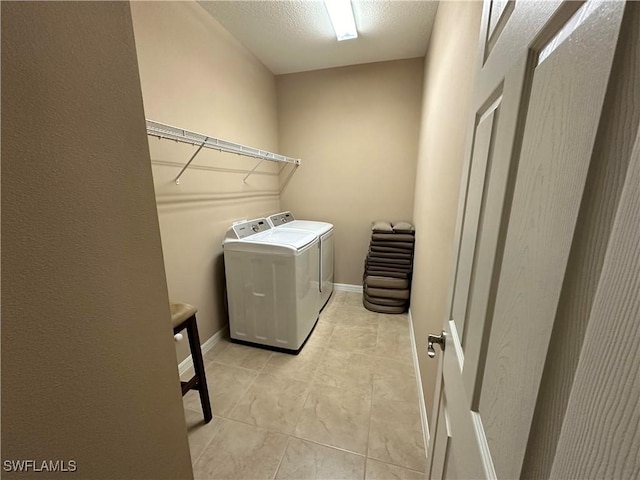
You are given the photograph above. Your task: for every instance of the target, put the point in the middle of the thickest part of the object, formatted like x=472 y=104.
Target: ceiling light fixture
x=342 y=20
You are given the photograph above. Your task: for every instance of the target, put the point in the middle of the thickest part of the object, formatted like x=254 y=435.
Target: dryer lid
x=287 y=220
x=244 y=237
x=297 y=239
x=319 y=228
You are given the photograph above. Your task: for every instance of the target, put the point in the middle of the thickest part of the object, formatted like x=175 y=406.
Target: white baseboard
x=345 y=287
x=423 y=407
x=187 y=363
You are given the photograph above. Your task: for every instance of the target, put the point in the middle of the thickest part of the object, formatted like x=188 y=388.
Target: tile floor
x=346 y=407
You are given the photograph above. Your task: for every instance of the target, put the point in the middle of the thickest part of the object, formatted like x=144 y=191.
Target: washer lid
x=294 y=238
x=287 y=220
x=274 y=240
x=319 y=228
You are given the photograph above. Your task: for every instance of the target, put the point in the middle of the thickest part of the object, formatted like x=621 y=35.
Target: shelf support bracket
x=190 y=160
x=244 y=180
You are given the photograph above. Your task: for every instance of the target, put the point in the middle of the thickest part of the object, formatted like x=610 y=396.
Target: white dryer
x=324 y=231
x=272 y=284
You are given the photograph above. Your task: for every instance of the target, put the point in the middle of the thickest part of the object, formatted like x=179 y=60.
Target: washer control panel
x=251 y=227
x=281 y=218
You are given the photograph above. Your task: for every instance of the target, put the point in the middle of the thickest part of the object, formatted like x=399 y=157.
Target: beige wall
x=195 y=75
x=356 y=131
x=449 y=72
x=88 y=365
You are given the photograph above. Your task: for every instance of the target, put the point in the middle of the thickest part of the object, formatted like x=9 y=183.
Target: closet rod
x=161 y=130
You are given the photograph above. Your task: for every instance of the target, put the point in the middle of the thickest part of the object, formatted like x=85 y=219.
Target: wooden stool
x=184 y=316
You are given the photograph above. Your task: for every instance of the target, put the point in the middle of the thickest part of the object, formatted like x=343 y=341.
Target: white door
x=590 y=439
x=540 y=90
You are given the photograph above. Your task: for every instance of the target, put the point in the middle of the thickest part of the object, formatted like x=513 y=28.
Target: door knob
x=431 y=339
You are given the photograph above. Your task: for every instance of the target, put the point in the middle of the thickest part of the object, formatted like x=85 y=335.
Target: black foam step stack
x=388 y=267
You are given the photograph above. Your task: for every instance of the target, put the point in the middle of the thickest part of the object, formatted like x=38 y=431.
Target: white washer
x=324 y=231
x=272 y=284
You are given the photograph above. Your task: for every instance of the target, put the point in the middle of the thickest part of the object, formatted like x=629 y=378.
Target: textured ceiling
x=296 y=36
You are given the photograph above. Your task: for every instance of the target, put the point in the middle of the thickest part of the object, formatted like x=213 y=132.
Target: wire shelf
x=161 y=130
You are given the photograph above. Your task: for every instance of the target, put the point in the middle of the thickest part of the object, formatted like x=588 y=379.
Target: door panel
x=566 y=99
x=533 y=132
x=621 y=117
x=594 y=445
x=496 y=204
x=498 y=17
x=520 y=31
x=498 y=8
x=483 y=143
x=482 y=211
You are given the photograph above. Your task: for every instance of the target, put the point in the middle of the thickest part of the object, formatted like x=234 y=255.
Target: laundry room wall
x=88 y=366
x=196 y=76
x=356 y=130
x=449 y=72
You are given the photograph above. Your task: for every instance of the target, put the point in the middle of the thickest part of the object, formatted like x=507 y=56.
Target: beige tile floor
x=346 y=407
